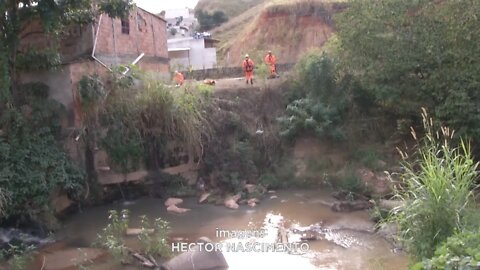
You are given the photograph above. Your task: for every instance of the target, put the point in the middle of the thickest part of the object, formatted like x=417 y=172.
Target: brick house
x=95 y=48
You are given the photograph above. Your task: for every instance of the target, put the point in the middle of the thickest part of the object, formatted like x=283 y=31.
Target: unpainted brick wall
x=147 y=34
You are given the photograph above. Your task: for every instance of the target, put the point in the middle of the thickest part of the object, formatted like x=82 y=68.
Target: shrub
x=351 y=183
x=437 y=191
x=205 y=90
x=32 y=165
x=21 y=261
x=321 y=102
x=461 y=251
x=269 y=180
x=156 y=243
x=237 y=165
x=208 y=21
x=19 y=256
x=112 y=236
x=368 y=157
x=91 y=90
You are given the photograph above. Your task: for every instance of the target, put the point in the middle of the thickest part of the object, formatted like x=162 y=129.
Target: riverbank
x=350 y=235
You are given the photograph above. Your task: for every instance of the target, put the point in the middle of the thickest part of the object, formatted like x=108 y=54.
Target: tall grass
x=438 y=190
x=141 y=120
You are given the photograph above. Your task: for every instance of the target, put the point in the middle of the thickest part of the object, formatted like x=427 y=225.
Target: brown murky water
x=351 y=243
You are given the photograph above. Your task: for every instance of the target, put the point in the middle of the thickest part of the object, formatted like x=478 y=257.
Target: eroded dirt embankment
x=288 y=29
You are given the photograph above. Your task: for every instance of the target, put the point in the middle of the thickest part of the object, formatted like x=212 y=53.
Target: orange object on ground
x=271 y=60
x=247 y=67
x=179 y=79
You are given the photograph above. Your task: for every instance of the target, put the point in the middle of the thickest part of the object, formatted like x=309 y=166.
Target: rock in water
x=203 y=198
x=173 y=201
x=231 y=203
x=176 y=209
x=253 y=202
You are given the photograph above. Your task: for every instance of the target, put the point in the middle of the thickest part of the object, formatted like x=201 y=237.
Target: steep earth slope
x=232 y=8
x=289 y=28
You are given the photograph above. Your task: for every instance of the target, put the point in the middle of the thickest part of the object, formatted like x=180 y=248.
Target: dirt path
x=239 y=83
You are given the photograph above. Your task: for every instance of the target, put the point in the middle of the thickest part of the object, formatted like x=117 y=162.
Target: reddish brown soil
x=287 y=31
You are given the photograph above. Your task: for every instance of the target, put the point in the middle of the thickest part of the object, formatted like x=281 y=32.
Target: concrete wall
x=227 y=72
x=200 y=57
x=60 y=87
x=179 y=60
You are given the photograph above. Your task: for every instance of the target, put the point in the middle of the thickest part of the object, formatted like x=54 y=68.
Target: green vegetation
x=403 y=56
x=140 y=123
x=416 y=54
x=461 y=251
x=369 y=158
x=32 y=163
x=155 y=243
x=437 y=192
x=19 y=257
x=112 y=236
x=320 y=100
x=205 y=90
x=54 y=17
x=152 y=237
x=208 y=21
x=350 y=183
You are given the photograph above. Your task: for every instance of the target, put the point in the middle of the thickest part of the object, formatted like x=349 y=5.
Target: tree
x=208 y=21
x=54 y=16
x=415 y=53
x=320 y=100
x=32 y=165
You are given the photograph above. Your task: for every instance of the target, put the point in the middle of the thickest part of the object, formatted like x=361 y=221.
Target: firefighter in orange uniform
x=179 y=79
x=271 y=61
x=248 y=66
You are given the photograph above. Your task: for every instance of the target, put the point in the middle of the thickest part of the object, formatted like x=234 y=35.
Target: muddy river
x=349 y=243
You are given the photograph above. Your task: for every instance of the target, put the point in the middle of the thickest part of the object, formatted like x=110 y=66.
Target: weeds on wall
x=245 y=141
x=142 y=117
x=31 y=161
